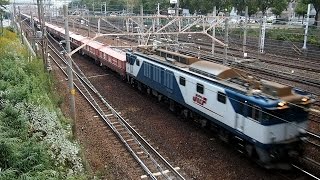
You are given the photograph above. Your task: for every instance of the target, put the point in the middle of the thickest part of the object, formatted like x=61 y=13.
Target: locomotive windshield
x=291 y=114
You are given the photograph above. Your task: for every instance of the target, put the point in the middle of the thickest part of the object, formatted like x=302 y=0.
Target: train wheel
x=148 y=91
x=171 y=105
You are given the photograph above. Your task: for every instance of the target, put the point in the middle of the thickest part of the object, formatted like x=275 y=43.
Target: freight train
x=265 y=120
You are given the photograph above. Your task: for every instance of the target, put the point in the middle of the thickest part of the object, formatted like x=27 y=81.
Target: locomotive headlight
x=282 y=103
x=304 y=99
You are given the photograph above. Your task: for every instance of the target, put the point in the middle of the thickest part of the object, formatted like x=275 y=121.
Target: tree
x=240 y=6
x=3 y=3
x=264 y=5
x=252 y=7
x=301 y=9
x=279 y=6
x=316 y=5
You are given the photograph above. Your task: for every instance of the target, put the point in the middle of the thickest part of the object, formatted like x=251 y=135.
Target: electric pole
x=306 y=29
x=245 y=33
x=70 y=73
x=263 y=34
x=226 y=41
x=43 y=32
x=214 y=13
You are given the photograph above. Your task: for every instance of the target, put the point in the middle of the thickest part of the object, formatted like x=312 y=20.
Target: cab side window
x=182 y=81
x=256 y=113
x=222 y=97
x=200 y=88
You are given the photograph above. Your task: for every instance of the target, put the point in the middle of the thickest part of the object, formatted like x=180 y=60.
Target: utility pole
x=99 y=26
x=226 y=41
x=177 y=8
x=306 y=29
x=263 y=34
x=245 y=33
x=70 y=73
x=105 y=9
x=177 y=14
x=141 y=25
x=39 y=11
x=44 y=36
x=214 y=13
x=20 y=24
x=93 y=8
x=88 y=26
x=33 y=30
x=158 y=20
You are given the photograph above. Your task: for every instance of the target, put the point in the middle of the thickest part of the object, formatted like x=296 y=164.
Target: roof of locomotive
x=262 y=92
x=214 y=70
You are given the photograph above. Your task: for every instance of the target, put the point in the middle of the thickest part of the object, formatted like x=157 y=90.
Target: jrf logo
x=198 y=99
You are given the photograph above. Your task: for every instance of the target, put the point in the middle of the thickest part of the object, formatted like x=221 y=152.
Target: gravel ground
x=104 y=155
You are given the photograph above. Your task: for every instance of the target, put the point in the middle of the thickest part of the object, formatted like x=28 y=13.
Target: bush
x=34 y=143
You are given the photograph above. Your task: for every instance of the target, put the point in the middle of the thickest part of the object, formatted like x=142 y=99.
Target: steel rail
x=104 y=118
x=297 y=78
x=306 y=172
x=167 y=164
x=311 y=160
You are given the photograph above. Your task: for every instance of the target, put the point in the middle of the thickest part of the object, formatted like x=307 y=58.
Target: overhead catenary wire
x=284 y=120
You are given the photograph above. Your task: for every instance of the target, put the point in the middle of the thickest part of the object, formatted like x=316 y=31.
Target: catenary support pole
x=158 y=20
x=105 y=9
x=70 y=73
x=214 y=13
x=20 y=24
x=33 y=31
x=141 y=25
x=226 y=41
x=44 y=36
x=245 y=26
x=306 y=29
x=262 y=34
x=99 y=26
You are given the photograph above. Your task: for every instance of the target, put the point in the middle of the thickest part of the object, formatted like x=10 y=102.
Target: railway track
x=261 y=70
x=284 y=49
x=152 y=163
x=236 y=53
x=108 y=111
x=305 y=172
x=302 y=64
x=306 y=80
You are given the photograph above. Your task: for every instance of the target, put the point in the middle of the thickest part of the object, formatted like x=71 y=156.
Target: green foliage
x=301 y=8
x=264 y=5
x=294 y=35
x=316 y=5
x=4 y=2
x=33 y=143
x=199 y=6
x=279 y=6
x=6 y=155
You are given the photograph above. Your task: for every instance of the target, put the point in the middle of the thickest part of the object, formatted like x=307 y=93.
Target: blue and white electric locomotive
x=266 y=118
